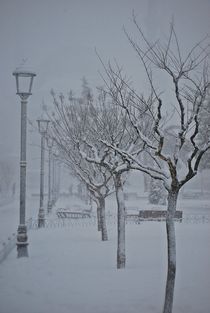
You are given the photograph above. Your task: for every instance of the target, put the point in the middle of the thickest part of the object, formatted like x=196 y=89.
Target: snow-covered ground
x=9 y=215
x=70 y=270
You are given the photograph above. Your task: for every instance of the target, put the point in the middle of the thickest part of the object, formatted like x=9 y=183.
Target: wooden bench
x=72 y=214
x=157 y=215
x=152 y=215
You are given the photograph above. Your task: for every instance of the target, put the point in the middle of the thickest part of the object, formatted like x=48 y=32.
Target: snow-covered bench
x=63 y=213
x=157 y=215
x=152 y=215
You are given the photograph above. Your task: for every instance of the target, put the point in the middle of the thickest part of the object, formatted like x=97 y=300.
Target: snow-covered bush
x=157 y=193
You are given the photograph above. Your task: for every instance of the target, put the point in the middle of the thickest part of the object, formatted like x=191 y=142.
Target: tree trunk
x=98 y=216
x=146 y=182
x=104 y=235
x=121 y=258
x=171 y=245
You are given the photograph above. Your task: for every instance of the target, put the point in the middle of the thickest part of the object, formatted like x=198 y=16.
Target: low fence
x=7 y=247
x=92 y=221
x=112 y=220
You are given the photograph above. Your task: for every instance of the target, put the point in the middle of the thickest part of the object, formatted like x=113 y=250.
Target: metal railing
x=8 y=246
x=112 y=220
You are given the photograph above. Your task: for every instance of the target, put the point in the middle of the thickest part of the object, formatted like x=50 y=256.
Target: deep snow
x=70 y=270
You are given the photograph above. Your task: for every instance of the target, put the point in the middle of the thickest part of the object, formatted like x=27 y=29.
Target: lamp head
x=43 y=125
x=24 y=81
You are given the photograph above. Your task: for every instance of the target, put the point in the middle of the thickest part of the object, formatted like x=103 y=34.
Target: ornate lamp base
x=22 y=241
x=41 y=218
x=49 y=207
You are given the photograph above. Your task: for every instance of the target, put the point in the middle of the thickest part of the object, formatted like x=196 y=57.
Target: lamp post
x=55 y=177
x=59 y=179
x=50 y=145
x=42 y=125
x=24 y=81
x=53 y=180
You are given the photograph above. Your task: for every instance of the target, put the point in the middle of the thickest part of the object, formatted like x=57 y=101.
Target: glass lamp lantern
x=43 y=125
x=24 y=81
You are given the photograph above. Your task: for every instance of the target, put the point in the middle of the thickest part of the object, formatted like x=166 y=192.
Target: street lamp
x=24 y=81
x=43 y=126
x=50 y=142
x=58 y=179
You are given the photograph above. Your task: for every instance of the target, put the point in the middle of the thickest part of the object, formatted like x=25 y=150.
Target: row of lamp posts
x=43 y=127
x=53 y=182
x=50 y=203
x=24 y=81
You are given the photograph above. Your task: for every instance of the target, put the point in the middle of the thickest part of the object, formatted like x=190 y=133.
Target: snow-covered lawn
x=69 y=270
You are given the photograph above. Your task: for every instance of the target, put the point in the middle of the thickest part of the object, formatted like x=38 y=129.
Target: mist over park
x=104 y=156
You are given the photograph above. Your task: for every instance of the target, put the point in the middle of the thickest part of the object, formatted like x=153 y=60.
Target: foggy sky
x=58 y=39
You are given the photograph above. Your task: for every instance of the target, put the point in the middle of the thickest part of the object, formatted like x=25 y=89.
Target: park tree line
x=104 y=135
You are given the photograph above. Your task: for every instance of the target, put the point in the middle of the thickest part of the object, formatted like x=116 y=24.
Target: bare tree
x=176 y=163
x=109 y=123
x=97 y=181
x=80 y=129
x=204 y=131
x=70 y=129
